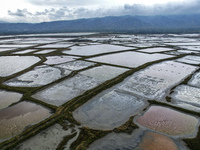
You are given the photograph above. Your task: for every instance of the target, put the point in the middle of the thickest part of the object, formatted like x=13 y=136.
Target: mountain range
x=117 y=24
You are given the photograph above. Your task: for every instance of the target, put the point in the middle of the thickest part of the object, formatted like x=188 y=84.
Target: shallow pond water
x=45 y=51
x=156 y=141
x=48 y=139
x=66 y=90
x=14 y=45
x=25 y=51
x=168 y=121
x=13 y=64
x=8 y=98
x=56 y=45
x=194 y=48
x=76 y=65
x=129 y=59
x=187 y=94
x=195 y=81
x=6 y=49
x=95 y=49
x=190 y=59
x=138 y=140
x=156 y=49
x=103 y=73
x=108 y=110
x=14 y=119
x=153 y=81
x=121 y=141
x=184 y=44
x=53 y=60
x=41 y=75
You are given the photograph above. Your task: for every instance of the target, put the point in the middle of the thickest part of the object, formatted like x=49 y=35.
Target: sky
x=34 y=11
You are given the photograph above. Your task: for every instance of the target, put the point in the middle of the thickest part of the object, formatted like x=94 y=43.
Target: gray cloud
x=20 y=13
x=69 y=13
x=187 y=7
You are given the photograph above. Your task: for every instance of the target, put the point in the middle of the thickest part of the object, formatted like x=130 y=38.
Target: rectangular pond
x=14 y=119
x=129 y=59
x=154 y=81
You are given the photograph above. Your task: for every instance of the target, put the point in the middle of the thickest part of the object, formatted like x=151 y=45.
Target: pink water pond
x=168 y=121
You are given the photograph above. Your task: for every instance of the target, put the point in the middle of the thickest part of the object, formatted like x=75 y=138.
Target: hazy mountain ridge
x=135 y=24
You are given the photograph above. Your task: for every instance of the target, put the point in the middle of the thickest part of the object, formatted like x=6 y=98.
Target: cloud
x=20 y=13
x=171 y=8
x=67 y=2
x=70 y=13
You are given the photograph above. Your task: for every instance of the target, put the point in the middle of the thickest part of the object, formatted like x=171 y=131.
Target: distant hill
x=3 y=22
x=130 y=24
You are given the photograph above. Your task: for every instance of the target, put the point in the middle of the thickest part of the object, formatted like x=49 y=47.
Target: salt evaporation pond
x=184 y=44
x=8 y=98
x=153 y=81
x=53 y=60
x=186 y=52
x=188 y=106
x=143 y=45
x=56 y=45
x=190 y=60
x=156 y=49
x=45 y=51
x=14 y=46
x=40 y=75
x=25 y=51
x=77 y=85
x=76 y=65
x=6 y=49
x=129 y=59
x=168 y=121
x=13 y=64
x=47 y=139
x=150 y=141
x=194 y=48
x=114 y=141
x=195 y=81
x=187 y=94
x=66 y=90
x=108 y=110
x=14 y=119
x=95 y=49
x=103 y=73
x=156 y=141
